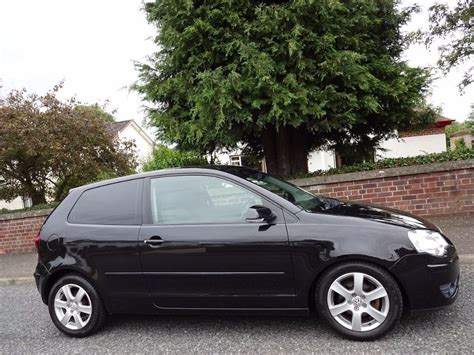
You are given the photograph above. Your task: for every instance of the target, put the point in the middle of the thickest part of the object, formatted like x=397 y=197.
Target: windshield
x=290 y=192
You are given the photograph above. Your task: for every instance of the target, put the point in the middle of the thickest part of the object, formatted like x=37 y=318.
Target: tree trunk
x=285 y=151
x=38 y=198
x=269 y=149
x=299 y=155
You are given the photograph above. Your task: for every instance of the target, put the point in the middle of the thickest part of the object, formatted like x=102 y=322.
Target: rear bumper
x=40 y=275
x=428 y=282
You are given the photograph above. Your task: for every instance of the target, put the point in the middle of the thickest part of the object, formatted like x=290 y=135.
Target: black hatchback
x=236 y=240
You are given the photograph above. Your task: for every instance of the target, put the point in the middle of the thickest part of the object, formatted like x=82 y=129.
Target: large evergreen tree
x=282 y=76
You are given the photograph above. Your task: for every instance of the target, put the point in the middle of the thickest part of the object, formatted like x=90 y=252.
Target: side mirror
x=259 y=214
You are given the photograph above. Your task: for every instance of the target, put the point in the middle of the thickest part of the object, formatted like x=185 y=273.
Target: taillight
x=37 y=240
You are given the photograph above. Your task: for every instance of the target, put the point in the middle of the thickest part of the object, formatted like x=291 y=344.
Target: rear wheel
x=359 y=300
x=75 y=306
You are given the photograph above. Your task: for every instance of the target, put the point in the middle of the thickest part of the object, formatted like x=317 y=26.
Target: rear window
x=111 y=204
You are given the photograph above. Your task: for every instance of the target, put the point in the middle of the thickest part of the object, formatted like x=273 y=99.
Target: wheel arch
x=59 y=273
x=349 y=259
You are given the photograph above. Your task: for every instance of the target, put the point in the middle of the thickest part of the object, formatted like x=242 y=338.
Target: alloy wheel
x=358 y=301
x=72 y=306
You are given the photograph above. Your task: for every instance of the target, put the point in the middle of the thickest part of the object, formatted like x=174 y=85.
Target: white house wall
x=14 y=204
x=143 y=147
x=321 y=160
x=467 y=138
x=223 y=157
x=412 y=146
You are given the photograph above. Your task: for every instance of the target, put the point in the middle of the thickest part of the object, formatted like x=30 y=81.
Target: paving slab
x=17 y=265
x=460 y=229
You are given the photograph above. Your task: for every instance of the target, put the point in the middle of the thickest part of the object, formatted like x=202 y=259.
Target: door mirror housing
x=259 y=214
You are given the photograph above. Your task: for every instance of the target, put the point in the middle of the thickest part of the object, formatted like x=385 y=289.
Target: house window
x=236 y=160
x=250 y=161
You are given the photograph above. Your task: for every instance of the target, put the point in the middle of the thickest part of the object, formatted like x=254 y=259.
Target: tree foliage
x=470 y=117
x=456 y=26
x=48 y=146
x=283 y=77
x=164 y=157
x=95 y=109
x=462 y=126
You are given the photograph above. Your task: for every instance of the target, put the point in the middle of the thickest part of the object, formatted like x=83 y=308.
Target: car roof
x=229 y=169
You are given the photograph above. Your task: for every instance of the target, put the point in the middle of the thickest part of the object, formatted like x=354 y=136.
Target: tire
x=81 y=317
x=347 y=309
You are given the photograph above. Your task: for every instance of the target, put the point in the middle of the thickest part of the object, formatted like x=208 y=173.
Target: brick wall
x=422 y=132
x=425 y=190
x=17 y=231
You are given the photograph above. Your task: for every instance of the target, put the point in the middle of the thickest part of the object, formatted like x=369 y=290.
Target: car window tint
x=199 y=199
x=111 y=204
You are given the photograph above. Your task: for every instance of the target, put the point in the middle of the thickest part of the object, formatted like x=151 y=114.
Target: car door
x=197 y=251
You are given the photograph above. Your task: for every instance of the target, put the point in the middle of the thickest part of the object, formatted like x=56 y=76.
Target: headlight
x=428 y=241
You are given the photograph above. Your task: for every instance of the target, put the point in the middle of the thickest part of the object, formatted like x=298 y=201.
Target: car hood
x=376 y=214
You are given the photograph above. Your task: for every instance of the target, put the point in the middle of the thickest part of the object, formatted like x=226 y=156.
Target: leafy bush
x=458 y=154
x=460 y=126
x=165 y=157
x=460 y=144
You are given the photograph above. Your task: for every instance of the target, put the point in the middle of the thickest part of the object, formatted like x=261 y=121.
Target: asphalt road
x=25 y=327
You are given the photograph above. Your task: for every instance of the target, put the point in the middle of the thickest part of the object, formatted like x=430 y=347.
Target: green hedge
x=461 y=154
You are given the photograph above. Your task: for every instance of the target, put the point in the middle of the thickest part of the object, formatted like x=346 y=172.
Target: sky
x=91 y=46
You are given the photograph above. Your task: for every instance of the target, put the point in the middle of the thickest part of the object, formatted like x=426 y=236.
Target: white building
x=321 y=160
x=15 y=204
x=465 y=135
x=129 y=130
x=419 y=142
x=409 y=144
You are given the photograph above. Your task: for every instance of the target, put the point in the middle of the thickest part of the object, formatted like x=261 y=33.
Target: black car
x=236 y=240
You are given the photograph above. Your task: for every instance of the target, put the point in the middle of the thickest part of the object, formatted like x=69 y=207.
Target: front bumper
x=428 y=282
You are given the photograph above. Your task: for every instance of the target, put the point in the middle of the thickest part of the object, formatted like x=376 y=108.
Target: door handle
x=255 y=220
x=154 y=241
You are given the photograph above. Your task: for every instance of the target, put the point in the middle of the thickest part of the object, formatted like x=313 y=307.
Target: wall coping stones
x=25 y=214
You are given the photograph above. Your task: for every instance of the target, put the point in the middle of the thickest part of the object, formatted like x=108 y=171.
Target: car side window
x=199 y=199
x=110 y=204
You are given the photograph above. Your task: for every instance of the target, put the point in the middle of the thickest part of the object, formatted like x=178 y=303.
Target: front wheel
x=360 y=301
x=75 y=306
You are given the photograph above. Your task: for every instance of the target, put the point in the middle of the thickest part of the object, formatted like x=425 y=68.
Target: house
x=16 y=203
x=466 y=136
x=410 y=143
x=235 y=157
x=127 y=130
